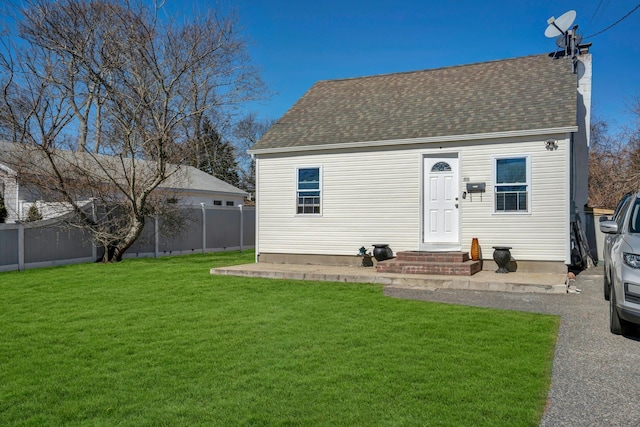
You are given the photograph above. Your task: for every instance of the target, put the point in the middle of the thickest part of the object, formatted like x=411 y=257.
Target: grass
x=162 y=343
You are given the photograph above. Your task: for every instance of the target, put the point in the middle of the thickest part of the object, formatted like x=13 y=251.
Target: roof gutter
x=410 y=141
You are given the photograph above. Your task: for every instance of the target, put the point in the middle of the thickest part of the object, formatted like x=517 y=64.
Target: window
x=441 y=167
x=229 y=203
x=217 y=203
x=621 y=211
x=619 y=207
x=308 y=192
x=634 y=221
x=512 y=184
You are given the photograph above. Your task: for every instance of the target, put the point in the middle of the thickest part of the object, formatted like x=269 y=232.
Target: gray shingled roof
x=532 y=92
x=187 y=178
x=194 y=179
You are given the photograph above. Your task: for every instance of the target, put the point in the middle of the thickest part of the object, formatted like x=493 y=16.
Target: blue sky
x=296 y=43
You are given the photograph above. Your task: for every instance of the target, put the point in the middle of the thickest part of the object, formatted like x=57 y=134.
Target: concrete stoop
x=439 y=263
x=434 y=283
x=482 y=281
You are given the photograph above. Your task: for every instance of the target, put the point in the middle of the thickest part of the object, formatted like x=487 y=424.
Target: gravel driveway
x=596 y=375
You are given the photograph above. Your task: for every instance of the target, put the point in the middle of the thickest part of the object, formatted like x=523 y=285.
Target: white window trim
x=295 y=198
x=494 y=165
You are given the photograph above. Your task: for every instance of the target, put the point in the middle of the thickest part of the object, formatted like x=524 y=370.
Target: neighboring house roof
x=194 y=179
x=187 y=178
x=532 y=92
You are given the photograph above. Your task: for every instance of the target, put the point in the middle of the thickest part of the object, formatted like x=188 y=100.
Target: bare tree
x=614 y=162
x=112 y=81
x=604 y=155
x=247 y=132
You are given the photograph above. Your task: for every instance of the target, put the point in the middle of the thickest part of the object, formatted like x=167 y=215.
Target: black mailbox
x=476 y=187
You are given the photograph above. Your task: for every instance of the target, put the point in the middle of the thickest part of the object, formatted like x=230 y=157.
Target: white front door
x=440 y=220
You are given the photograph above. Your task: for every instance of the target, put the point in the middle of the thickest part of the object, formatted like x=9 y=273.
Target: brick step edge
x=440 y=257
x=467 y=268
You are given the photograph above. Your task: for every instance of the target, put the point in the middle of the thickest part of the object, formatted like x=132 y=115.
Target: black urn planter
x=502 y=256
x=382 y=251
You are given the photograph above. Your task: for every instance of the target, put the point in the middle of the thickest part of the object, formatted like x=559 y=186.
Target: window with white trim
x=308 y=191
x=512 y=184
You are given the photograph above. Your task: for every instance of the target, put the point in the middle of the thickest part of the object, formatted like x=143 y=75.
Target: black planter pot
x=502 y=256
x=382 y=251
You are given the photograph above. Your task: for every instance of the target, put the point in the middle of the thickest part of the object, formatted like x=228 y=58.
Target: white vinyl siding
x=375 y=197
x=363 y=202
x=540 y=235
x=10 y=193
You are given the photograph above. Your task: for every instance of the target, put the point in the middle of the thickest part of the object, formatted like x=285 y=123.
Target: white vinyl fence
x=206 y=229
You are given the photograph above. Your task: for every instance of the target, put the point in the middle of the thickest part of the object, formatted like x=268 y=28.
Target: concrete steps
x=440 y=263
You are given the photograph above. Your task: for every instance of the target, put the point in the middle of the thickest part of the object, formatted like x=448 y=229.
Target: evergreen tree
x=216 y=156
x=3 y=210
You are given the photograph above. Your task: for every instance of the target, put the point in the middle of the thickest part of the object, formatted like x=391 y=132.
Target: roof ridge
x=446 y=67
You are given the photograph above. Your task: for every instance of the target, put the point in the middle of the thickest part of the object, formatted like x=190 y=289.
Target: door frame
x=439 y=247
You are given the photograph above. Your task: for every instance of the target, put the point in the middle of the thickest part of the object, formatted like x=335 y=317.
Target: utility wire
x=615 y=23
x=595 y=12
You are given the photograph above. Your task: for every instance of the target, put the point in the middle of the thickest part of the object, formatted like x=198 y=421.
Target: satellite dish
x=558 y=27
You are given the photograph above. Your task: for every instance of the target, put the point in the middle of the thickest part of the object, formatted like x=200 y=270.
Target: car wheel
x=617 y=325
x=607 y=285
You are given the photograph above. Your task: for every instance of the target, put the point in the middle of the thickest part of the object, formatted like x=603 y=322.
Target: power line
x=595 y=12
x=615 y=23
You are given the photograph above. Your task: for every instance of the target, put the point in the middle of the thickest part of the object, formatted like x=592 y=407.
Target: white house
x=190 y=186
x=429 y=160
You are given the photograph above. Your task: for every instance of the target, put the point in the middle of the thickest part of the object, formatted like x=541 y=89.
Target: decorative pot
x=382 y=251
x=502 y=256
x=475 y=249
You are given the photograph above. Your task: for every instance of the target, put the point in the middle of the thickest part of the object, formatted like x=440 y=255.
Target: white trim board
x=410 y=141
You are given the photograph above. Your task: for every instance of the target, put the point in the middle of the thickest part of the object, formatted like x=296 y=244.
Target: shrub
x=34 y=214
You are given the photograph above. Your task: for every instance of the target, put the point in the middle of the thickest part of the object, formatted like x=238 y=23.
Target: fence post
x=20 y=247
x=204 y=229
x=156 y=237
x=94 y=217
x=241 y=226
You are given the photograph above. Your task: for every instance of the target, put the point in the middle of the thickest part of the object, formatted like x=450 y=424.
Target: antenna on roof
x=567 y=38
x=561 y=25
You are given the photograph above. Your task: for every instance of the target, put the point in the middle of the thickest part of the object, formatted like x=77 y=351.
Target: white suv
x=622 y=264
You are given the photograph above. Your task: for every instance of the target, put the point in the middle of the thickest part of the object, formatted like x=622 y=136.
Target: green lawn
x=161 y=342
